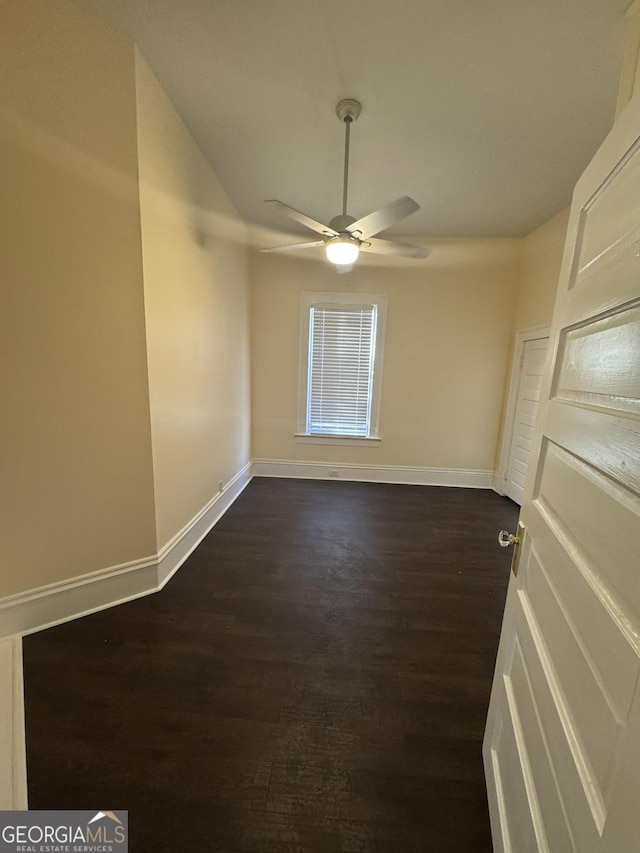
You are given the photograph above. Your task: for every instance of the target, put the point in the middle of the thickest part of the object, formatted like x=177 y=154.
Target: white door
x=527 y=398
x=562 y=745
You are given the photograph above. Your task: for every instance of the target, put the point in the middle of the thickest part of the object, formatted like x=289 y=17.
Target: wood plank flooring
x=315 y=678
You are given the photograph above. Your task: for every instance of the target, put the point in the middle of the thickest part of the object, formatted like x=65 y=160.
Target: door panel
x=599 y=622
x=595 y=362
x=608 y=217
x=573 y=498
x=521 y=815
x=562 y=746
x=595 y=722
x=544 y=779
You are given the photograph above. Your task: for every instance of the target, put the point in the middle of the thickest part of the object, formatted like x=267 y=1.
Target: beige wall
x=196 y=298
x=76 y=474
x=448 y=335
x=541 y=258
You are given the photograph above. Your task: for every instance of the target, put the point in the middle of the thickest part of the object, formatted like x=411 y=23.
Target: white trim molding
x=172 y=555
x=345 y=440
x=26 y=612
x=522 y=337
x=13 y=759
x=460 y=477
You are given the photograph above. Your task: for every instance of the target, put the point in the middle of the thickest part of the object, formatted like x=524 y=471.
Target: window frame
x=331 y=299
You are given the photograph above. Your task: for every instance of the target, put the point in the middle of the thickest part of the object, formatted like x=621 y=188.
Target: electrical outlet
x=220 y=485
x=334 y=473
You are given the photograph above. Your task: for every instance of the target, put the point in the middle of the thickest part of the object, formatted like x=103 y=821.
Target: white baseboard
x=13 y=764
x=460 y=477
x=172 y=555
x=50 y=605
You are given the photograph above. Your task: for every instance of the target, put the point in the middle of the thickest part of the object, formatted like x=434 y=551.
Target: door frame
x=523 y=336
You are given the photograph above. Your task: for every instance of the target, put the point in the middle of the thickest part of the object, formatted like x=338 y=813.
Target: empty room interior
x=306 y=305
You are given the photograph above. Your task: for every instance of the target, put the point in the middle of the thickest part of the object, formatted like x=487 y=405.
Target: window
x=342 y=337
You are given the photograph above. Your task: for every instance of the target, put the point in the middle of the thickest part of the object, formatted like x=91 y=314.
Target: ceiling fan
x=346 y=236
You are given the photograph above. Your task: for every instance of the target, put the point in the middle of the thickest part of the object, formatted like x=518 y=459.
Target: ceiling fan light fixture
x=342 y=251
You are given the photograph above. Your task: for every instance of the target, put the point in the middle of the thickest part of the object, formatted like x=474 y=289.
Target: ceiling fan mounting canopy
x=345 y=236
x=348 y=110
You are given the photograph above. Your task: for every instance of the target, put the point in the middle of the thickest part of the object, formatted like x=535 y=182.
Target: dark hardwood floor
x=315 y=678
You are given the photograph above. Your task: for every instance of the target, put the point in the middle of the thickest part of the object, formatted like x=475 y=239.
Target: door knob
x=505 y=539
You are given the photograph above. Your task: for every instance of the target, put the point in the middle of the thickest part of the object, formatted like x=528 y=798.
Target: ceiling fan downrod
x=348 y=111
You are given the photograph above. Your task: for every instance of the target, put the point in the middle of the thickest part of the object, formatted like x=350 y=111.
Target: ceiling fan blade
x=294 y=246
x=385 y=217
x=302 y=218
x=386 y=247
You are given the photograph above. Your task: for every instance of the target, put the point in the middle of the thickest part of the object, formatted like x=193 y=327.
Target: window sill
x=319 y=438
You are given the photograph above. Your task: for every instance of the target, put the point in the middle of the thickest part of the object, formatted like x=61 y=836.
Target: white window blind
x=342 y=346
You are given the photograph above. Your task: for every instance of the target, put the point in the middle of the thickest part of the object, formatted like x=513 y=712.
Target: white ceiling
x=484 y=111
